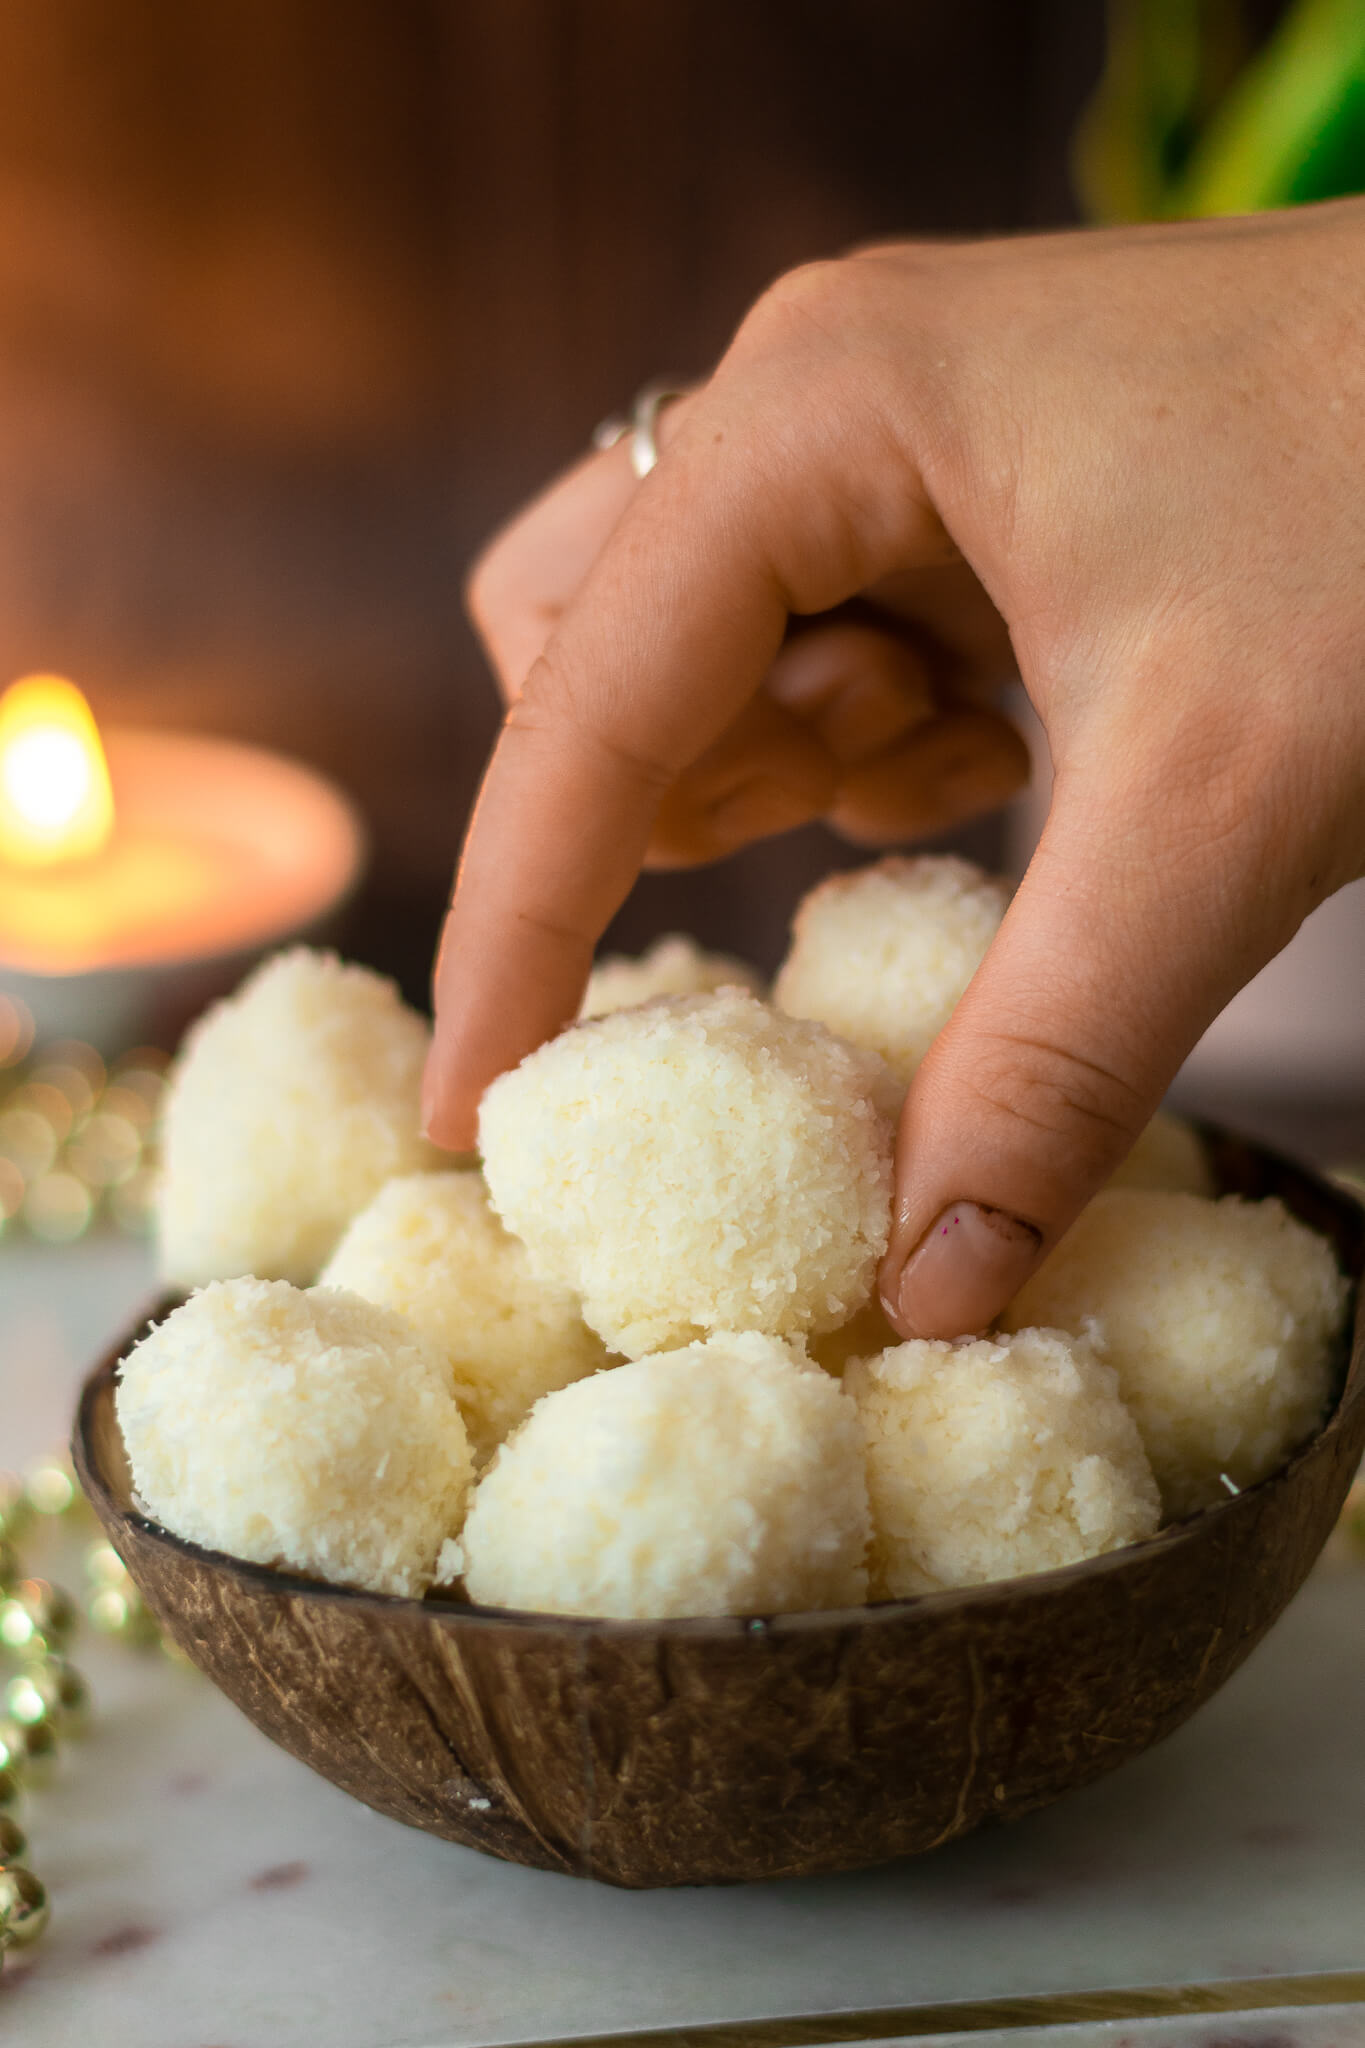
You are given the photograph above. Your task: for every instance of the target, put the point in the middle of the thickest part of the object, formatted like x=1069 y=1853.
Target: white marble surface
x=209 y=1892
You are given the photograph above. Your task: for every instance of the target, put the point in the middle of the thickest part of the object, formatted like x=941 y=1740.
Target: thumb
x=1103 y=975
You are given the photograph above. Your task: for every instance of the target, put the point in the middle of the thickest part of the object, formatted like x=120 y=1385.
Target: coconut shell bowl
x=700 y=1752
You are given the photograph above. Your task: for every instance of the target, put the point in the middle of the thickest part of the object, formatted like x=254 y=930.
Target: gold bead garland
x=78 y=1139
x=44 y=1700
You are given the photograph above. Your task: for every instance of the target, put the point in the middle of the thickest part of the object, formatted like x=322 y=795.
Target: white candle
x=215 y=851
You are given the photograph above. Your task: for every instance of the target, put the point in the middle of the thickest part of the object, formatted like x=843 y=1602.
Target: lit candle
x=141 y=875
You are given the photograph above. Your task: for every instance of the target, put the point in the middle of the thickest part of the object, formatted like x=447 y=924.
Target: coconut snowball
x=430 y=1247
x=882 y=955
x=992 y=1457
x=725 y=1478
x=313 y=1431
x=1219 y=1318
x=292 y=1102
x=673 y=966
x=699 y=1164
x=1169 y=1154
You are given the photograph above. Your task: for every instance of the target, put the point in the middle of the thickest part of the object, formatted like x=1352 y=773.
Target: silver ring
x=642 y=425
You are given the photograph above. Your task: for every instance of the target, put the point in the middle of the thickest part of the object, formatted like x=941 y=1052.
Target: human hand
x=875 y=716
x=1140 y=452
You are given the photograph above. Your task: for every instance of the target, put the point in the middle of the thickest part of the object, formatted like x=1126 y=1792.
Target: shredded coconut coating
x=1219 y=1318
x=673 y=966
x=310 y=1431
x=883 y=955
x=292 y=1102
x=699 y=1164
x=430 y=1247
x=726 y=1478
x=996 y=1456
x=1169 y=1155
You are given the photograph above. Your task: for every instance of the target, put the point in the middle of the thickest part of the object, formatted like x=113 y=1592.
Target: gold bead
x=27 y=1750
x=13 y=1840
x=50 y=1610
x=41 y=1741
x=52 y=1692
x=108 y=1611
x=57 y=1206
x=66 y=1692
x=10 y=1790
x=53 y=1610
x=23 y=1906
x=118 y=1611
x=18 y=1630
x=104 y=1566
x=31 y=1698
x=26 y=1746
x=50 y=1486
x=32 y=1627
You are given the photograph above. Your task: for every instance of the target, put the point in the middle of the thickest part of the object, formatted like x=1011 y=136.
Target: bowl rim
x=437 y=1607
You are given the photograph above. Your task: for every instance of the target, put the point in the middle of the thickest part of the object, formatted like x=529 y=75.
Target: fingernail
x=967 y=1266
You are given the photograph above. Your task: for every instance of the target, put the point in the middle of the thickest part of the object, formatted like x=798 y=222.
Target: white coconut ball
x=1218 y=1317
x=995 y=1456
x=725 y=1478
x=673 y=966
x=883 y=954
x=701 y=1163
x=313 y=1431
x=1169 y=1155
x=430 y=1247
x=291 y=1103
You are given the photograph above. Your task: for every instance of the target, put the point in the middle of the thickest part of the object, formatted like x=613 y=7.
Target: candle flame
x=56 y=803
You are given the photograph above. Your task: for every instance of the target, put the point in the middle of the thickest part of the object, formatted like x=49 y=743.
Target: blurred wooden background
x=298 y=298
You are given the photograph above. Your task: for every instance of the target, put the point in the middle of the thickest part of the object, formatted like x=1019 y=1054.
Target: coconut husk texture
x=702 y=1752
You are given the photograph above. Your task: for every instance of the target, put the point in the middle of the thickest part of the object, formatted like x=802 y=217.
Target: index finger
x=670 y=635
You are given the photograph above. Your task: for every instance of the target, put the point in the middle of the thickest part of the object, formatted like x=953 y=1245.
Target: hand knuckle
x=546 y=697
x=811 y=297
x=483 y=586
x=551 y=705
